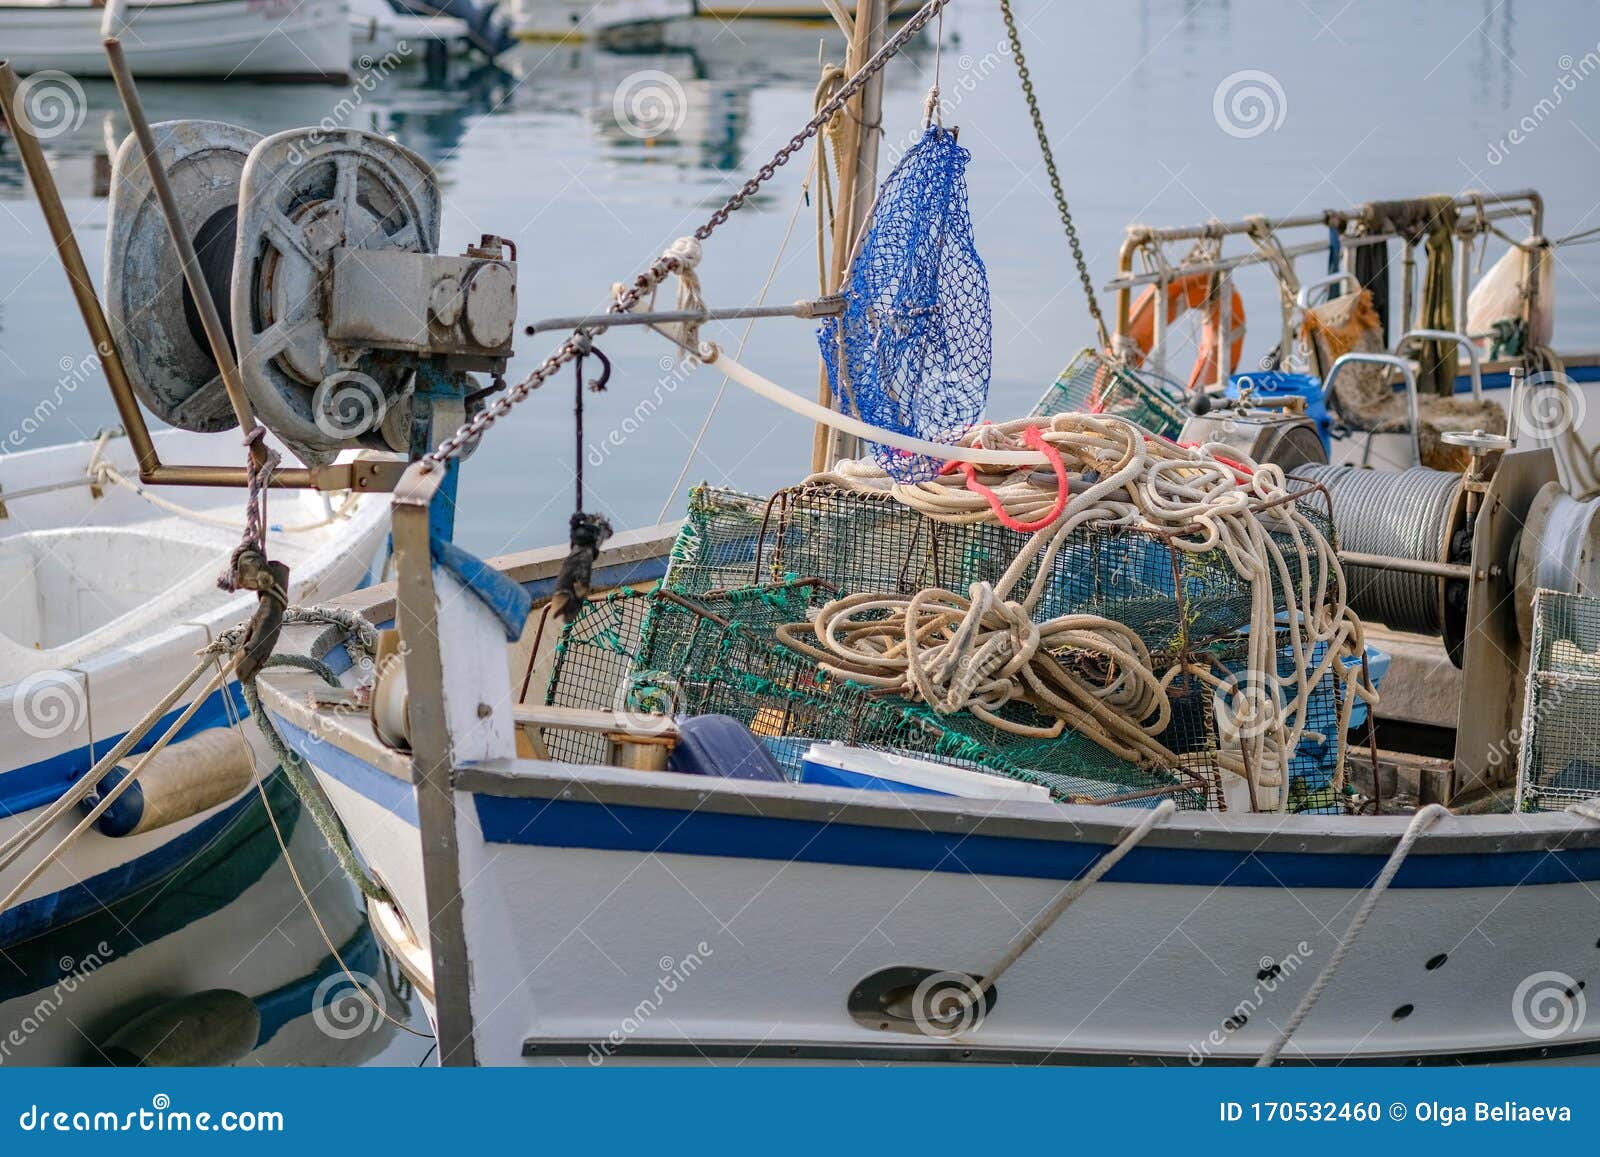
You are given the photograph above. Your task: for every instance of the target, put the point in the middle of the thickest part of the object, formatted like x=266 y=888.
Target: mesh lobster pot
x=1187 y=606
x=659 y=654
x=1177 y=600
x=1559 y=759
x=1093 y=384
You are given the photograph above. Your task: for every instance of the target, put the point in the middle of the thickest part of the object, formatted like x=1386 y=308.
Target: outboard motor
x=486 y=30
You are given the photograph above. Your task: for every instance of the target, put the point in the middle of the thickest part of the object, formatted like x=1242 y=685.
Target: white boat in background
x=108 y=590
x=784 y=9
x=378 y=32
x=303 y=40
x=568 y=20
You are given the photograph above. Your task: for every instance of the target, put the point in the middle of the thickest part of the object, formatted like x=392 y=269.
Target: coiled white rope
x=979 y=653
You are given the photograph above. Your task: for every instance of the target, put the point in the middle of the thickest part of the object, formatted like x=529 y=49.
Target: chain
x=1055 y=177
x=663 y=266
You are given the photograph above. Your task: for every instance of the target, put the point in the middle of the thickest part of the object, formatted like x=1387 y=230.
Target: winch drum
x=307 y=196
x=148 y=306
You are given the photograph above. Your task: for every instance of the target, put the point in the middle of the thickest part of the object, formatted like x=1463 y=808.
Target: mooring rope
x=1424 y=819
x=1057 y=907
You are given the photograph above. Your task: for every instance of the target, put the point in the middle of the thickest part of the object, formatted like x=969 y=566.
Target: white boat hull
x=619 y=916
x=563 y=20
x=65 y=993
x=106 y=600
x=232 y=39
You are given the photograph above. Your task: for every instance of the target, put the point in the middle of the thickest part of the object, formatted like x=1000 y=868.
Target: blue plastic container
x=1272 y=383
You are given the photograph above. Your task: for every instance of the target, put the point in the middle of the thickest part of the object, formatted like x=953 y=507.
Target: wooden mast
x=858 y=183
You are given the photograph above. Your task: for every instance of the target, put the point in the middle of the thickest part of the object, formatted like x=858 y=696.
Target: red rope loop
x=1035 y=441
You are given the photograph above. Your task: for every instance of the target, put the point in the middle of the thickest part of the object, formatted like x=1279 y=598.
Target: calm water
x=1378 y=101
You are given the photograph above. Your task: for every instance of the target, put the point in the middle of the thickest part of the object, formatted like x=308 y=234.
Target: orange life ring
x=1187 y=292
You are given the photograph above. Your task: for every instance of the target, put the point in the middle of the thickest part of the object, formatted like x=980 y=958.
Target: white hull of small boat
x=233 y=39
x=379 y=34
x=618 y=916
x=68 y=994
x=613 y=915
x=106 y=596
x=782 y=9
x=560 y=20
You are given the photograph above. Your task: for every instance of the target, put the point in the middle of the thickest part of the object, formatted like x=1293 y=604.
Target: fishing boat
x=783 y=9
x=212 y=39
x=114 y=577
x=111 y=588
x=1056 y=739
x=561 y=21
x=379 y=30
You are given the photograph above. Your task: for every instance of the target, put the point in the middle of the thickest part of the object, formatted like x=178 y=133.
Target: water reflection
x=219 y=963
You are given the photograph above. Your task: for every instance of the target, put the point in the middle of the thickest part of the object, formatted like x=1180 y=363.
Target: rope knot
x=686 y=252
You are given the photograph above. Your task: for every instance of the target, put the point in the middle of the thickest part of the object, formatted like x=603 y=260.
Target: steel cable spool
x=1408 y=514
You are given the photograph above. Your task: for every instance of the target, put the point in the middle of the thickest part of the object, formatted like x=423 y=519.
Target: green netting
x=744 y=567
x=1094 y=384
x=643 y=653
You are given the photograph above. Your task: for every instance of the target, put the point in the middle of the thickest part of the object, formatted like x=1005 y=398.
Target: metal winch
x=1457 y=557
x=321 y=248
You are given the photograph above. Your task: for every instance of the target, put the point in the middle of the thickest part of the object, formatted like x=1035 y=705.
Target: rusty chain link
x=1055 y=177
x=661 y=267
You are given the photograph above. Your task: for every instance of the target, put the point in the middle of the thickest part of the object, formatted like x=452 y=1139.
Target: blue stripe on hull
x=38 y=784
x=380 y=787
x=631 y=828
x=613 y=827
x=43 y=913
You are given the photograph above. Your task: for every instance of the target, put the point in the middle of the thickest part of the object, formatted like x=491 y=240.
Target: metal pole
x=857 y=187
x=433 y=763
x=217 y=335
x=66 y=245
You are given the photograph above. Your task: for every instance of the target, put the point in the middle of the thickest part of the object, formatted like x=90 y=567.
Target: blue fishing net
x=913 y=350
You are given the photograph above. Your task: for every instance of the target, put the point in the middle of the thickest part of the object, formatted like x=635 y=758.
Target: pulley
x=310 y=197
x=1558 y=549
x=152 y=315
